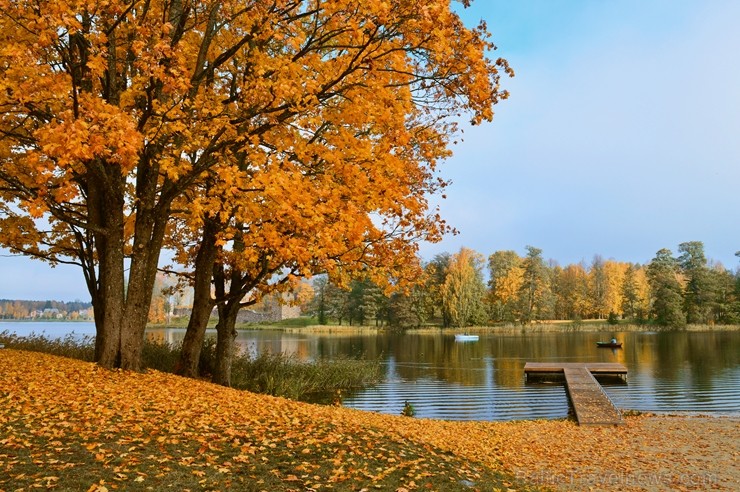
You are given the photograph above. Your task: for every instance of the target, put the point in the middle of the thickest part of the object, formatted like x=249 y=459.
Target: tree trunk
x=203 y=303
x=106 y=215
x=121 y=306
x=149 y=233
x=225 y=342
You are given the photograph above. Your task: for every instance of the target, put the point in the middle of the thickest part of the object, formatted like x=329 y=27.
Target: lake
x=484 y=380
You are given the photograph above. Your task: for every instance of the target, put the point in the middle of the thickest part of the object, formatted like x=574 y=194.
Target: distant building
x=51 y=313
x=276 y=307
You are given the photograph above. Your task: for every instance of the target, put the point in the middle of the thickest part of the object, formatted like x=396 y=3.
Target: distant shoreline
x=555 y=327
x=548 y=327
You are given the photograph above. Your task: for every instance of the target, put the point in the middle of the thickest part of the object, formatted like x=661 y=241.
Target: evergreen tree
x=630 y=295
x=365 y=301
x=319 y=306
x=436 y=272
x=597 y=288
x=666 y=289
x=699 y=292
x=401 y=311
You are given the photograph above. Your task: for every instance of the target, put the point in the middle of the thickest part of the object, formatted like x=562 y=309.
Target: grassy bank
x=310 y=325
x=69 y=425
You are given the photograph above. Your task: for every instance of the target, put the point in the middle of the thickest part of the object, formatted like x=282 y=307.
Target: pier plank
x=590 y=402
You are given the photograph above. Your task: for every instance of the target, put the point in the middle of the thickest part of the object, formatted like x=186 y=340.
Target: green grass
x=300 y=322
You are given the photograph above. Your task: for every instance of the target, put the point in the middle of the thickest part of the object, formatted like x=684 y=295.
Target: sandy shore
x=647 y=453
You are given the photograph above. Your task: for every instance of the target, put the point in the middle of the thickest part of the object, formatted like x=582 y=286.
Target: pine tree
x=667 y=299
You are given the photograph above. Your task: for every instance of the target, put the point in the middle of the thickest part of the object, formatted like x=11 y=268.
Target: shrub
x=282 y=374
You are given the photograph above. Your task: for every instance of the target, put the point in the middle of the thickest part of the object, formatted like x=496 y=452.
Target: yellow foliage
x=310 y=132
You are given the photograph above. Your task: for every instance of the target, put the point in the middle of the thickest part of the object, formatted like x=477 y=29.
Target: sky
x=621 y=137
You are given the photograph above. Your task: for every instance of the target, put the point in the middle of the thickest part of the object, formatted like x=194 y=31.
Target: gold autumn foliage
x=68 y=424
x=299 y=136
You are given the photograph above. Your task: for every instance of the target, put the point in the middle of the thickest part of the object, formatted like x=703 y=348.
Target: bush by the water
x=286 y=375
x=74 y=347
x=276 y=374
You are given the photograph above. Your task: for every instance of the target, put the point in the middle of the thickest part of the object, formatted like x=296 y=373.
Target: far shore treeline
x=670 y=291
x=45 y=310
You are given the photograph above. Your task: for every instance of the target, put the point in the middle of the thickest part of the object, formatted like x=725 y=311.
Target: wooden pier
x=590 y=402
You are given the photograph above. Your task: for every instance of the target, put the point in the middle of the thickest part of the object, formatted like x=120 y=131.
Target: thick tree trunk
x=203 y=303
x=121 y=304
x=106 y=215
x=225 y=342
x=149 y=233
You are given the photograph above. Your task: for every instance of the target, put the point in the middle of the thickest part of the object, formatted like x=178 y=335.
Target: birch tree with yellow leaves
x=284 y=124
x=506 y=278
x=463 y=289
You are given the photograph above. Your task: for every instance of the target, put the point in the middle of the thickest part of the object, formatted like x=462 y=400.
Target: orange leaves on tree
x=310 y=133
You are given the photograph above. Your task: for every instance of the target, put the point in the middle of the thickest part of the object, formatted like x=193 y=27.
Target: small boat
x=460 y=337
x=609 y=344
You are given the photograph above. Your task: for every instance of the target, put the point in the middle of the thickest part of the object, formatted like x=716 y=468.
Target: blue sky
x=621 y=137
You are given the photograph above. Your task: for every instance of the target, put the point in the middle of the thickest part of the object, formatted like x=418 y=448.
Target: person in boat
x=614 y=341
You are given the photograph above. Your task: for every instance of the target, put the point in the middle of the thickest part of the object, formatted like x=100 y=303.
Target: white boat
x=466 y=338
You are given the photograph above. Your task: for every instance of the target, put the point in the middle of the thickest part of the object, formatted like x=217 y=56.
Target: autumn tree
x=505 y=279
x=570 y=288
x=463 y=290
x=340 y=156
x=118 y=116
x=535 y=292
x=614 y=272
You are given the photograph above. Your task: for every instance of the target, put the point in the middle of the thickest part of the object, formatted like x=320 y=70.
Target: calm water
x=484 y=380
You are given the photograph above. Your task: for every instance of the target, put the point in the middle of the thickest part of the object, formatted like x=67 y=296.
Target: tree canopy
x=308 y=132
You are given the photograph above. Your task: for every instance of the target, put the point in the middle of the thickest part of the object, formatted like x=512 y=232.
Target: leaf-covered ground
x=69 y=425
